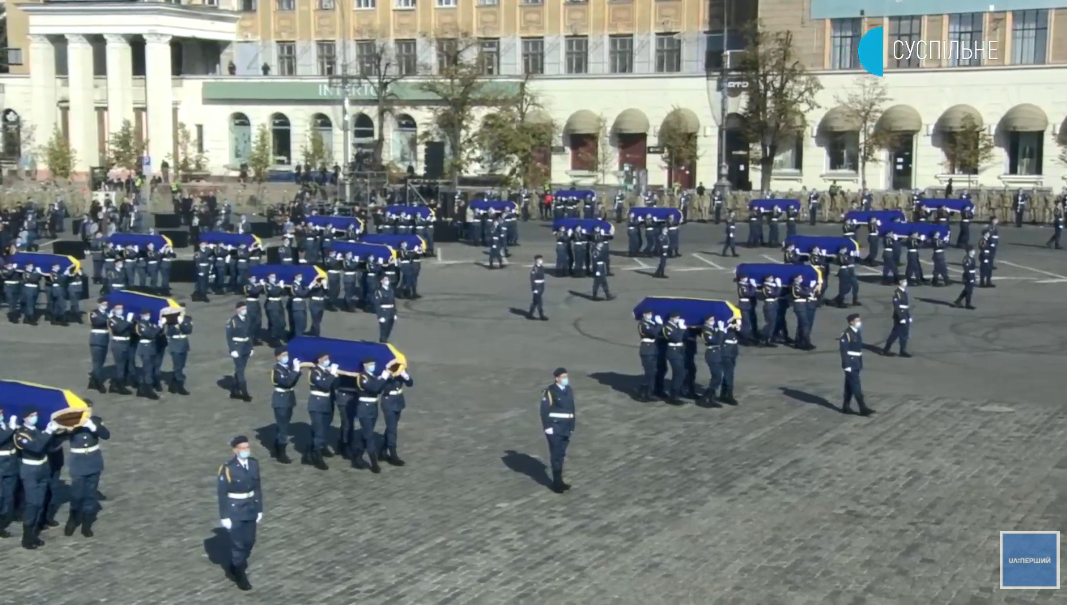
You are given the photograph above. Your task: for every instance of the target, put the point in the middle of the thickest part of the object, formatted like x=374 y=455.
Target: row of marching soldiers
x=122 y=267
x=408 y=223
x=653 y=238
x=24 y=286
x=483 y=227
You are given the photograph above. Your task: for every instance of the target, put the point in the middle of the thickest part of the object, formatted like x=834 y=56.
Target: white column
x=160 y=97
x=82 y=117
x=119 y=82
x=43 y=88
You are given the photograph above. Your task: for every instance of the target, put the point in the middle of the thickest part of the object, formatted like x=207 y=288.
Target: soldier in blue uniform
x=674 y=334
x=648 y=330
x=221 y=265
x=75 y=283
x=755 y=228
x=673 y=241
x=115 y=278
x=731 y=235
x=730 y=352
x=147 y=331
x=240 y=507
x=85 y=466
x=713 y=339
x=96 y=252
x=316 y=306
x=579 y=253
x=914 y=272
x=203 y=263
x=940 y=275
x=851 y=348
x=275 y=309
x=385 y=310
x=333 y=279
x=664 y=252
x=558 y=423
x=151 y=268
x=321 y=379
x=240 y=346
x=405 y=286
x=1019 y=207
x=800 y=298
x=619 y=206
x=845 y=282
x=970 y=269
x=252 y=291
x=298 y=316
x=98 y=341
x=177 y=330
x=769 y=293
x=31 y=288
x=872 y=242
x=351 y=280
x=716 y=201
x=746 y=302
x=9 y=472
x=633 y=238
x=994 y=241
x=776 y=215
x=12 y=291
x=393 y=403
x=166 y=256
x=901 y=321
x=284 y=377
x=986 y=252
x=890 y=274
x=791 y=221
x=369 y=386
x=239 y=274
x=57 y=296
x=537 y=289
x=35 y=474
x=813 y=206
x=651 y=236
x=121 y=327
x=285 y=251
x=600 y=272
x=1057 y=227
x=790 y=256
x=963 y=240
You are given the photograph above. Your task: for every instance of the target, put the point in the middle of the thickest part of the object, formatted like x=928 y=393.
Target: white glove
x=227 y=523
x=162 y=321
x=848 y=369
x=903 y=321
x=405 y=374
x=234 y=354
x=13 y=422
x=911 y=319
x=333 y=369
x=296 y=364
x=385 y=374
x=548 y=431
x=52 y=427
x=129 y=317
x=89 y=424
x=381 y=320
x=681 y=323
x=659 y=320
x=259 y=517
x=251 y=353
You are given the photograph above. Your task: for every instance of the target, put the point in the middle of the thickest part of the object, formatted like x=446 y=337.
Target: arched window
x=11 y=148
x=322 y=129
x=362 y=128
x=281 y=139
x=240 y=139
x=405 y=141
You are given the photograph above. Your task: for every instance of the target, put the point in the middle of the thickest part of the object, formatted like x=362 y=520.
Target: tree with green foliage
x=679 y=144
x=315 y=152
x=261 y=158
x=189 y=159
x=378 y=73
x=59 y=155
x=968 y=149
x=779 y=92
x=866 y=103
x=517 y=138
x=125 y=148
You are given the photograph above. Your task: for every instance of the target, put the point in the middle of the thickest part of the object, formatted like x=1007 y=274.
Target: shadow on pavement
x=526 y=464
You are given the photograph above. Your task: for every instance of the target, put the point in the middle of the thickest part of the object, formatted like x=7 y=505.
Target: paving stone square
x=781 y=499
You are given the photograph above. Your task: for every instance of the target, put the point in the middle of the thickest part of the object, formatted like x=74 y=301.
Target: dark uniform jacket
x=9 y=460
x=393 y=392
x=901 y=308
x=284 y=378
x=370 y=386
x=648 y=331
x=98 y=328
x=237 y=336
x=322 y=383
x=557 y=410
x=85 y=455
x=851 y=350
x=240 y=492
x=178 y=335
x=537 y=280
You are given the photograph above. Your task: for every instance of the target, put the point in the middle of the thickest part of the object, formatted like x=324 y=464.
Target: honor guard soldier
x=755 y=228
x=240 y=346
x=579 y=253
x=275 y=309
x=352 y=280
x=620 y=206
x=731 y=235
x=1019 y=207
x=986 y=252
x=851 y=347
x=772 y=230
x=57 y=296
x=940 y=275
x=221 y=257
x=333 y=279
x=385 y=310
x=85 y=466
x=746 y=302
x=914 y=271
x=98 y=341
x=730 y=352
x=252 y=291
x=298 y=316
x=872 y=242
x=177 y=330
x=147 y=331
x=901 y=321
x=664 y=253
x=406 y=287
x=673 y=238
x=316 y=306
x=369 y=386
x=240 y=507
x=75 y=283
x=813 y=206
x=96 y=252
x=284 y=377
x=790 y=256
x=600 y=272
x=558 y=423
x=994 y=243
x=537 y=289
x=970 y=268
x=674 y=333
x=12 y=291
x=716 y=202
x=963 y=240
x=320 y=409
x=121 y=327
x=768 y=294
x=1057 y=227
x=393 y=404
x=791 y=221
x=166 y=257
x=713 y=339
x=151 y=260
x=203 y=263
x=890 y=274
x=848 y=229
x=240 y=277
x=496 y=245
x=800 y=297
x=35 y=475
x=867 y=200
x=648 y=330
x=111 y=254
x=633 y=238
x=285 y=251
x=9 y=472
x=115 y=278
x=651 y=236
x=31 y=287
x=941 y=216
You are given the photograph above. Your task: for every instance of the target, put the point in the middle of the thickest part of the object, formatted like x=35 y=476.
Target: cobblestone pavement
x=779 y=500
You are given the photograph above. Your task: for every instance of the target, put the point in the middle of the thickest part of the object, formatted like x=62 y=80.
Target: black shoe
x=235 y=393
x=147 y=392
x=971 y=308
x=905 y=355
x=543 y=318
x=327 y=452
x=29 y=541
x=316 y=459
x=93 y=384
x=847 y=410
x=866 y=412
x=394 y=459
x=374 y=468
x=280 y=454
x=887 y=353
x=49 y=523
x=241 y=579
x=71 y=526
x=357 y=461
x=557 y=482
x=172 y=387
x=672 y=400
x=181 y=389
x=610 y=298
x=157 y=386
x=87 y=526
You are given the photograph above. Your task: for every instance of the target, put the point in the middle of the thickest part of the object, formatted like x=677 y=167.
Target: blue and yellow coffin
x=589 y=225
x=952 y=205
x=881 y=217
x=135 y=302
x=230 y=239
x=828 y=244
x=765 y=206
x=657 y=214
x=141 y=240
x=415 y=243
x=693 y=310
x=499 y=206
x=59 y=405
x=347 y=354
x=419 y=211
x=44 y=261
x=339 y=224
x=757 y=272
x=925 y=231
x=581 y=194
x=286 y=273
x=363 y=251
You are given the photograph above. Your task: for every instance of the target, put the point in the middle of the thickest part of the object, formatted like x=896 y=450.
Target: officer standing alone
x=237 y=341
x=240 y=507
x=731 y=235
x=558 y=423
x=851 y=348
x=600 y=272
x=970 y=269
x=385 y=310
x=1057 y=228
x=901 y=321
x=537 y=289
x=86 y=464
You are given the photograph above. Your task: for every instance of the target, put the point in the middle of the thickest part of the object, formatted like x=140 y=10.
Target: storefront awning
x=840 y=119
x=582 y=121
x=1025 y=118
x=900 y=118
x=631 y=121
x=953 y=118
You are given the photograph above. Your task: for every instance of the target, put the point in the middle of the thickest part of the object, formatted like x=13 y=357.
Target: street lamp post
x=723 y=184
x=343 y=81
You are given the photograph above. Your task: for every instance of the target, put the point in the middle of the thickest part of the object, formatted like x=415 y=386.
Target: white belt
x=970 y=271
x=395 y=393
x=902 y=306
x=539 y=281
x=320 y=393
x=12 y=283
x=34 y=462
x=255 y=300
x=153 y=262
x=742 y=300
x=120 y=338
x=84 y=450
x=7 y=452
x=675 y=344
x=273 y=298
x=648 y=340
x=333 y=271
x=985 y=261
x=855 y=353
x=244 y=496
x=913 y=250
x=350 y=272
x=31 y=285
x=296 y=300
x=966 y=220
x=730 y=342
x=386 y=306
x=281 y=390
x=99 y=331
x=318 y=298
x=996 y=237
x=368 y=399
x=560 y=415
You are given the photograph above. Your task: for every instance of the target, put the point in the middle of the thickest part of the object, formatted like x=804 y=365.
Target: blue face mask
x=244 y=455
x=284 y=359
x=371 y=368
x=565 y=382
x=31 y=421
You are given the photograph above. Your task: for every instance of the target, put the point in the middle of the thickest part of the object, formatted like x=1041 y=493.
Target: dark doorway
x=737 y=168
x=900 y=159
x=632 y=150
x=682 y=175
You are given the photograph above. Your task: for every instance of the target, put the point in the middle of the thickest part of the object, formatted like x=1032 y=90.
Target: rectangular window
x=406 y=57
x=327 y=5
x=447 y=54
x=577 y=55
x=366 y=57
x=287 y=58
x=488 y=2
x=907 y=31
x=843 y=151
x=790 y=155
x=200 y=138
x=845 y=37
x=533 y=1
x=668 y=53
x=489 y=56
x=327 y=54
x=364 y=4
x=211 y=3
x=14 y=56
x=965 y=31
x=1024 y=152
x=248 y=6
x=533 y=56
x=446 y=3
x=1029 y=37
x=621 y=54
x=405 y=4
x=286 y=5
x=716 y=51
